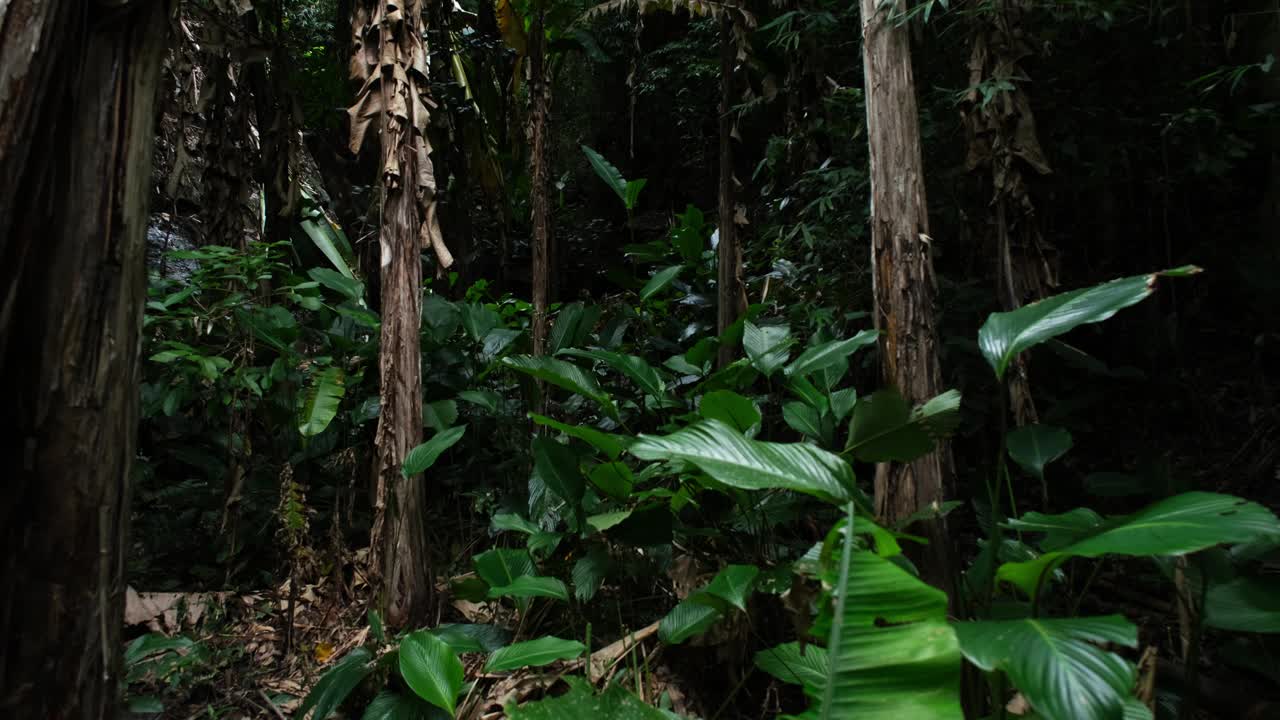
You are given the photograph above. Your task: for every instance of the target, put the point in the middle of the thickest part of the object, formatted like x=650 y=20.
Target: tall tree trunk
x=539 y=202
x=390 y=59
x=730 y=289
x=77 y=98
x=903 y=280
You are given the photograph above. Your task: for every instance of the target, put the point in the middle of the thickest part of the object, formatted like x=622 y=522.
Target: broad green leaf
x=513 y=522
x=733 y=584
x=842 y=402
x=791 y=664
x=557 y=465
x=440 y=415
x=632 y=192
x=611 y=444
x=803 y=419
x=606 y=171
x=831 y=353
x=589 y=573
x=563 y=374
x=660 y=281
x=581 y=703
x=732 y=409
x=767 y=347
x=440 y=318
x=885 y=429
x=687 y=619
x=1035 y=446
x=891 y=654
x=321 y=404
x=604 y=521
x=487 y=399
x=431 y=669
x=328 y=238
x=1004 y=335
x=391 y=705
x=1175 y=526
x=534 y=653
x=145 y=705
x=469 y=637
x=635 y=368
x=478 y=320
x=336 y=684
x=1060 y=530
x=527 y=586
x=351 y=288
x=425 y=455
x=501 y=566
x=1056 y=663
x=614 y=479
x=723 y=453
x=1244 y=604
x=572 y=327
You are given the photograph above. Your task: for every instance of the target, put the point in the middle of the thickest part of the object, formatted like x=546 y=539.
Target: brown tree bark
x=539 y=201
x=77 y=98
x=389 y=58
x=730 y=289
x=903 y=280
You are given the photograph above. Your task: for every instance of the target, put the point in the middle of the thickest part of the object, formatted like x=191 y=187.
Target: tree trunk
x=539 y=202
x=903 y=280
x=389 y=57
x=77 y=100
x=730 y=289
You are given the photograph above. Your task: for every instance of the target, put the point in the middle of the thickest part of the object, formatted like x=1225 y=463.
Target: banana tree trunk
x=903 y=279
x=77 y=119
x=389 y=58
x=730 y=289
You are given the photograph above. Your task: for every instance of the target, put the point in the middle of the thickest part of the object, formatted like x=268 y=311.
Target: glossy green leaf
x=513 y=522
x=478 y=320
x=734 y=584
x=562 y=374
x=425 y=455
x=687 y=619
x=1004 y=335
x=534 y=653
x=615 y=479
x=611 y=444
x=390 y=705
x=633 y=367
x=732 y=409
x=631 y=194
x=885 y=429
x=529 y=586
x=842 y=402
x=330 y=241
x=440 y=415
x=1056 y=663
x=322 y=401
x=823 y=356
x=607 y=172
x=581 y=703
x=336 y=684
x=767 y=347
x=604 y=521
x=557 y=465
x=349 y=287
x=891 y=654
x=1035 y=446
x=472 y=637
x=431 y=669
x=660 y=281
x=1175 y=526
x=572 y=326
x=1244 y=604
x=487 y=399
x=501 y=566
x=803 y=419
x=723 y=453
x=589 y=573
x=791 y=664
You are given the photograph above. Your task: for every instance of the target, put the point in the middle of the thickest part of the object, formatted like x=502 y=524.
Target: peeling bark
x=77 y=97
x=903 y=280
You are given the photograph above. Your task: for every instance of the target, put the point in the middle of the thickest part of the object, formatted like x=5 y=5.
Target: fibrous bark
x=731 y=290
x=78 y=84
x=539 y=175
x=903 y=280
x=390 y=59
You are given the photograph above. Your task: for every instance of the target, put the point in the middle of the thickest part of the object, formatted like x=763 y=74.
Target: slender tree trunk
x=731 y=290
x=389 y=57
x=903 y=279
x=540 y=203
x=77 y=98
